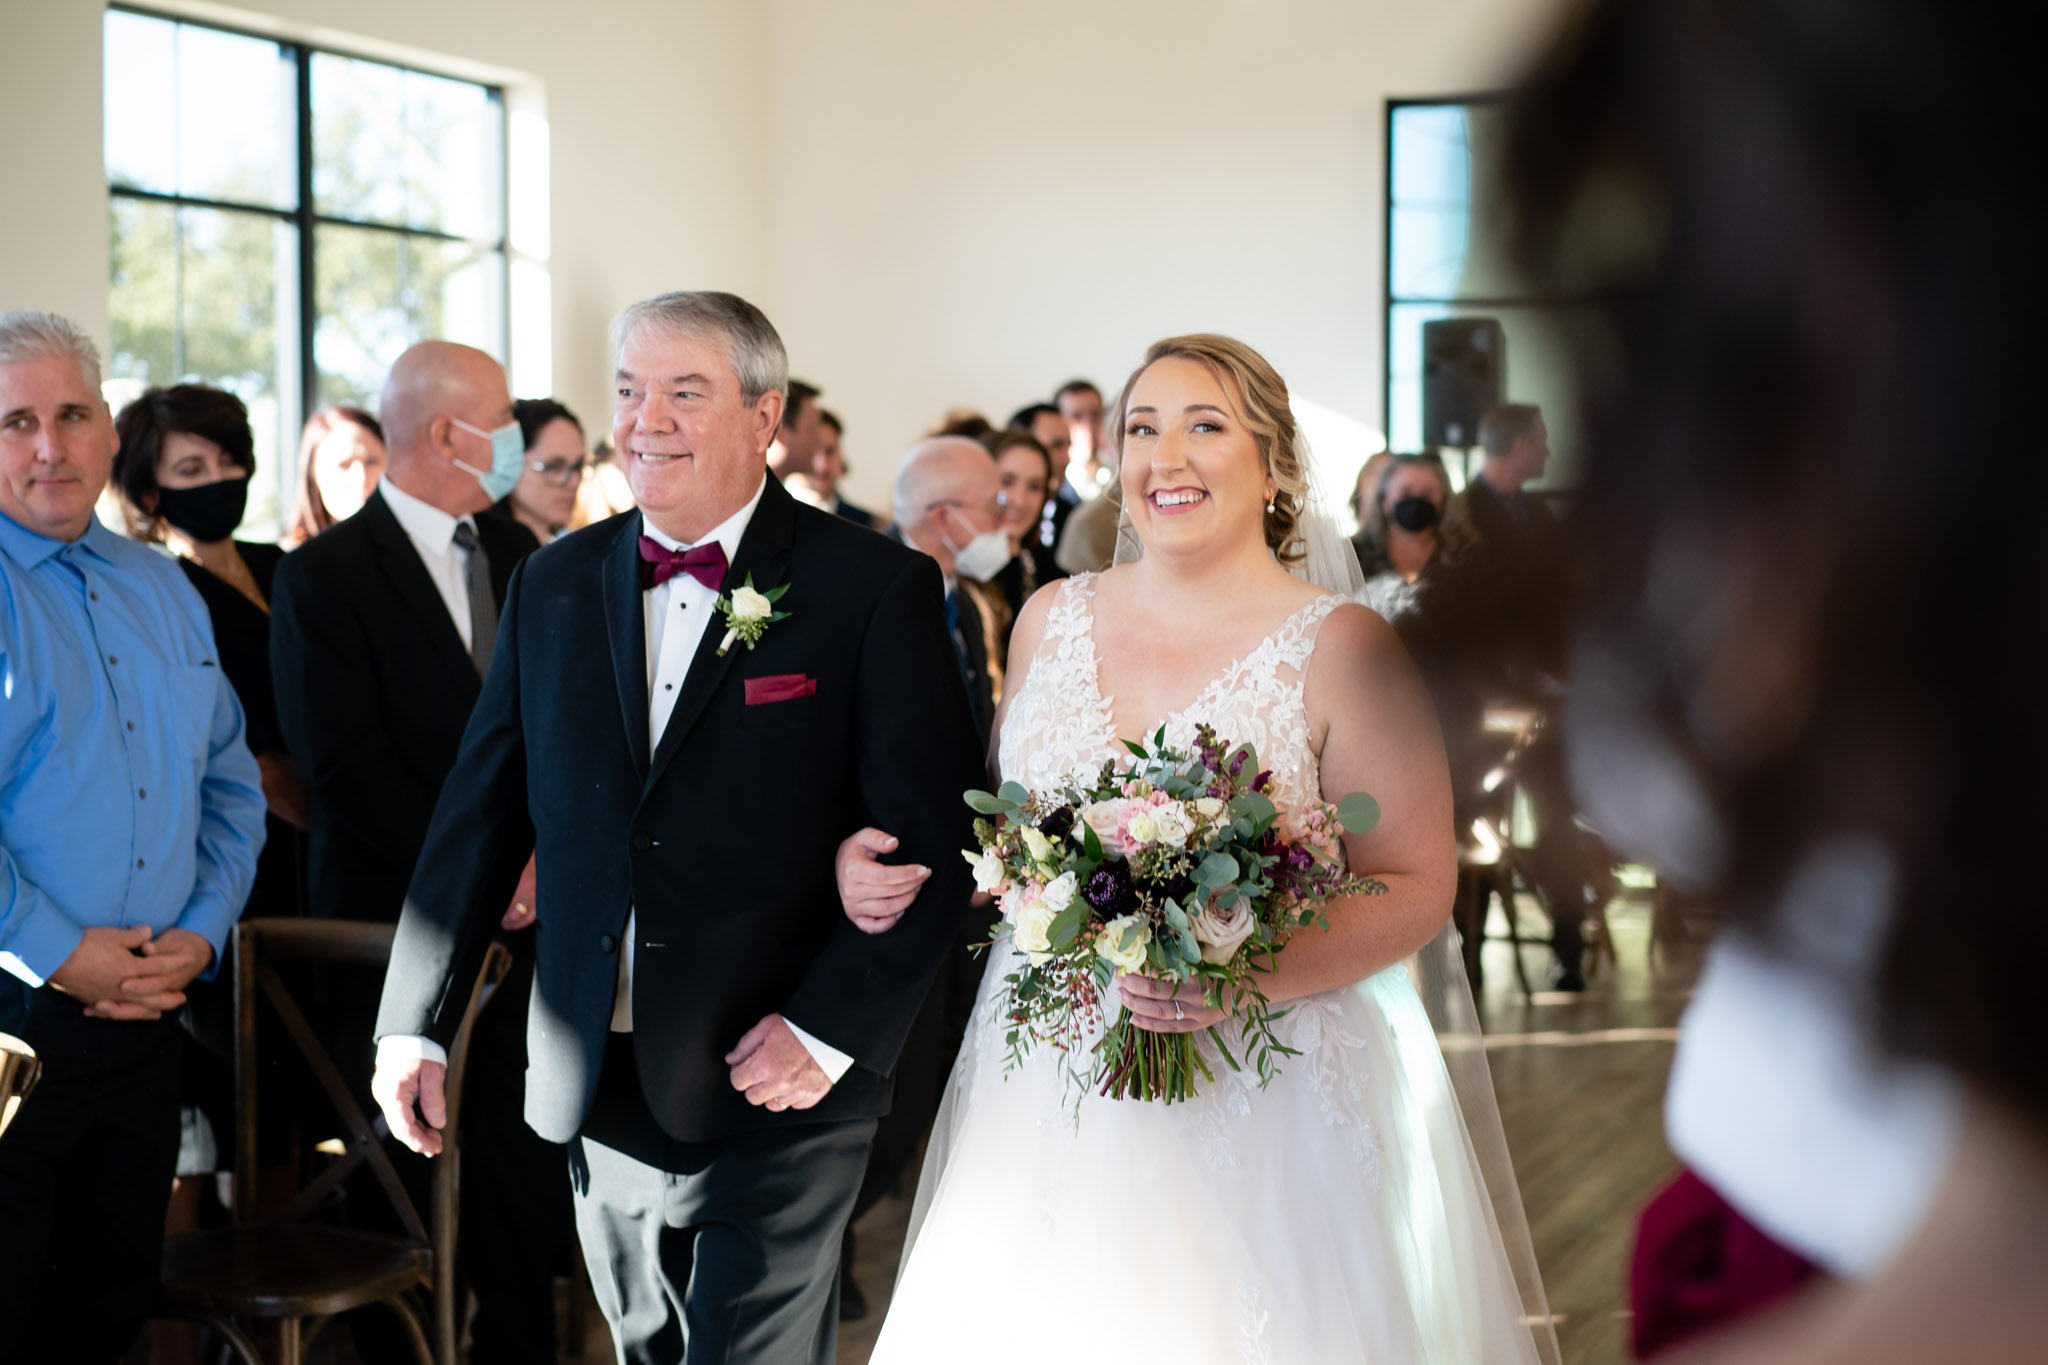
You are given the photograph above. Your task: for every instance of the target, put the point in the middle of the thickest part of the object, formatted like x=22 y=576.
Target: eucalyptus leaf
x=1358 y=813
x=1176 y=916
x=1066 y=926
x=1218 y=869
x=1013 y=792
x=990 y=805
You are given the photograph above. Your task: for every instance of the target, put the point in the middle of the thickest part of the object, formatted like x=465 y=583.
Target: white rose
x=1143 y=828
x=748 y=605
x=1209 y=807
x=1172 y=825
x=1059 y=892
x=1122 y=943
x=988 y=870
x=1220 y=931
x=1037 y=845
x=1033 y=932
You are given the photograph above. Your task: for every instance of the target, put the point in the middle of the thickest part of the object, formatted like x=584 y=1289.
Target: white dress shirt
x=432 y=533
x=677 y=612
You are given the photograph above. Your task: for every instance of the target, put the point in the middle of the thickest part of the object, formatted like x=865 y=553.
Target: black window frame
x=307 y=219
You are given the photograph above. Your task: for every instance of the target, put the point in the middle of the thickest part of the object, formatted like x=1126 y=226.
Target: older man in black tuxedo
x=710 y=1034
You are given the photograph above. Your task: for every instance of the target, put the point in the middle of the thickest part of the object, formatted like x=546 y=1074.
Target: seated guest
x=795 y=447
x=544 y=499
x=1043 y=421
x=1025 y=471
x=131 y=818
x=1403 y=535
x=965 y=422
x=382 y=631
x=341 y=457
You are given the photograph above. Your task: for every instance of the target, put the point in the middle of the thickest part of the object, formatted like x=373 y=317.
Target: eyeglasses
x=561 y=472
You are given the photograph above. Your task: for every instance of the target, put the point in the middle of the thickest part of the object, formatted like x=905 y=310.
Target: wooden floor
x=1580 y=1080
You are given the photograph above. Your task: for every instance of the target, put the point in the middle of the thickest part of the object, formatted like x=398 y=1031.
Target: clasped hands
x=133 y=973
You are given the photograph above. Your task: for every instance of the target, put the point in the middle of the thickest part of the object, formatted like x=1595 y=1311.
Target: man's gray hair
x=29 y=335
x=917 y=466
x=1506 y=424
x=751 y=342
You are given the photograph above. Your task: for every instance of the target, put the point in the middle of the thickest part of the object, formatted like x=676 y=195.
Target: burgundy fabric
x=780 y=687
x=1700 y=1266
x=658 y=563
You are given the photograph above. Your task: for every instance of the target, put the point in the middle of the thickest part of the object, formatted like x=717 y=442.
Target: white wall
x=971 y=202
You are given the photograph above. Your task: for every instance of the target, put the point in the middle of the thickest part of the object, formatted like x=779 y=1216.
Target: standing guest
x=544 y=499
x=341 y=457
x=1403 y=536
x=1025 y=470
x=382 y=630
x=1088 y=545
x=1043 y=422
x=131 y=818
x=1368 y=484
x=820 y=485
x=1080 y=402
x=803 y=429
x=711 y=1035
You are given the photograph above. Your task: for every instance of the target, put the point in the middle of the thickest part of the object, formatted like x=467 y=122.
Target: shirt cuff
x=409 y=1047
x=830 y=1059
x=41 y=944
x=210 y=917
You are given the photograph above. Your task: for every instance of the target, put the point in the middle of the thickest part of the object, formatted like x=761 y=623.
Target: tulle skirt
x=1338 y=1215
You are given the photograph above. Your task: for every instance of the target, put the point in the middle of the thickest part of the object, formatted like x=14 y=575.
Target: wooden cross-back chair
x=280 y=1267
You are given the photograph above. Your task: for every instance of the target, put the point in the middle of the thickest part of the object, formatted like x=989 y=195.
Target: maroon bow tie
x=658 y=564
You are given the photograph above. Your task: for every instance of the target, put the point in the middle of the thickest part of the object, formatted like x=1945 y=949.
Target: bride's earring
x=1269 y=504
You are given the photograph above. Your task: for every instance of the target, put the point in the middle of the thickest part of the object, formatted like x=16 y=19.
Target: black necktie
x=483 y=608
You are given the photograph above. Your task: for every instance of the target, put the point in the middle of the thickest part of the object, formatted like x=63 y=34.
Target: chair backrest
x=260 y=946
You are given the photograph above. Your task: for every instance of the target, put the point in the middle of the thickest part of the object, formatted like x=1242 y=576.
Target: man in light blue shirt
x=131 y=814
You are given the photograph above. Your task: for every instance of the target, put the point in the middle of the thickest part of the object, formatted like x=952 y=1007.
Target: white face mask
x=981 y=558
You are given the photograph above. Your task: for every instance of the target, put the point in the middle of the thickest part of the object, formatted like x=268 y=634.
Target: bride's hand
x=875 y=894
x=1167 y=1006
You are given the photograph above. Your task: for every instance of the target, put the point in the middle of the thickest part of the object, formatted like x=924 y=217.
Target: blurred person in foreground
x=1804 y=691
x=341 y=457
x=544 y=500
x=131 y=818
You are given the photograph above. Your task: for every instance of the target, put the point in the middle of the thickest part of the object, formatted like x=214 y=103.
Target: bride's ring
x=1178 y=1012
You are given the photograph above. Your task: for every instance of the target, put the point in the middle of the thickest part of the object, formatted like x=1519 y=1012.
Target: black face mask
x=208 y=513
x=1413 y=514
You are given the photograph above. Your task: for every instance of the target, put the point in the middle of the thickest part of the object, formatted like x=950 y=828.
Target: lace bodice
x=1060 y=723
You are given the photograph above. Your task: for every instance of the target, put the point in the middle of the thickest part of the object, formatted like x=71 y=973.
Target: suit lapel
x=401 y=565
x=625 y=620
x=764 y=553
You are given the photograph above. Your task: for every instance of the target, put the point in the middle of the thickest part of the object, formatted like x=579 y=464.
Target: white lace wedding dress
x=1336 y=1216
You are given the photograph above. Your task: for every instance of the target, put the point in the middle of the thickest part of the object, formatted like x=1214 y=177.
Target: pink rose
x=1107 y=819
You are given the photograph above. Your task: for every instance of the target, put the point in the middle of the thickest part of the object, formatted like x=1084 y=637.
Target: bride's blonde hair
x=1260 y=395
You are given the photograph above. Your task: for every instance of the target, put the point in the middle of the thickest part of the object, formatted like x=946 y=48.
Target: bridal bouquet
x=1178 y=865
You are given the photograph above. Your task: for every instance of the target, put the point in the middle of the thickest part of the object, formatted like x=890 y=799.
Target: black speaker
x=1464 y=367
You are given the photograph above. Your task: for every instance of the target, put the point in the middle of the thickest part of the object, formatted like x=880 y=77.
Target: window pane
x=196 y=111
x=405 y=148
x=1445 y=224
x=379 y=292
x=207 y=297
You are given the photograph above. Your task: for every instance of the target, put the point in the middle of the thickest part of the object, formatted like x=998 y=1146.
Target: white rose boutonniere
x=748 y=614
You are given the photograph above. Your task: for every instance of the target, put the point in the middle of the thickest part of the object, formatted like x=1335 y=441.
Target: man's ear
x=768 y=410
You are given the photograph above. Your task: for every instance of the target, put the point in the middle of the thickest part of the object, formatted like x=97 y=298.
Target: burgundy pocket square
x=780 y=687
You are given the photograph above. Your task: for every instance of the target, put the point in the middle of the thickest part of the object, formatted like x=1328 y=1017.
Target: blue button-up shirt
x=127 y=793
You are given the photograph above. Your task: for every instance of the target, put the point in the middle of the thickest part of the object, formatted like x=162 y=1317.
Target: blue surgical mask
x=508 y=458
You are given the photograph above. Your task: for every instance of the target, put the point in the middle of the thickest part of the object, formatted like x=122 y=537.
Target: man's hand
x=412 y=1092
x=875 y=894
x=774 y=1070
x=99 y=964
x=168 y=963
x=525 y=903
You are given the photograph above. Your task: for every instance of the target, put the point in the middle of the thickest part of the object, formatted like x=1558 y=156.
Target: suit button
x=607 y=942
x=643 y=841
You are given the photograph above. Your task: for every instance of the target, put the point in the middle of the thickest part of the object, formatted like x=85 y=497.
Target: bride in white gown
x=1337 y=1215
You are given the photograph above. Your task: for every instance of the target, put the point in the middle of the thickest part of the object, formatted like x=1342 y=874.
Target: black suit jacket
x=374 y=688
x=721 y=840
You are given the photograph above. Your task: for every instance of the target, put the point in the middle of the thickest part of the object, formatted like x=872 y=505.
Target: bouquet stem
x=1140 y=1064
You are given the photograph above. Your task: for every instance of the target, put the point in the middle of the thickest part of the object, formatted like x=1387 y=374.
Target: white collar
x=423 y=523
x=727 y=533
